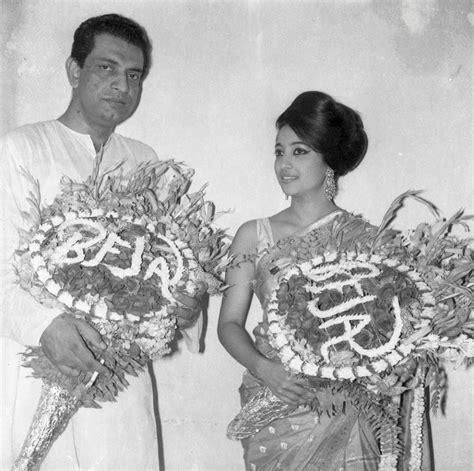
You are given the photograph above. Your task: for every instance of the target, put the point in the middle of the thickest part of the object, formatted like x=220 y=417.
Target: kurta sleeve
x=23 y=319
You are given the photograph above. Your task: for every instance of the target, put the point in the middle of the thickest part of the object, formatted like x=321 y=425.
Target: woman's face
x=299 y=169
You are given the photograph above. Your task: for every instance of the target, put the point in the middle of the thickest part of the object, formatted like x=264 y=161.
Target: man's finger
x=90 y=334
x=66 y=370
x=87 y=362
x=188 y=302
x=202 y=288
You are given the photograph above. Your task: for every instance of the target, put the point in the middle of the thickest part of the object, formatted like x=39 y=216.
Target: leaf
x=393 y=209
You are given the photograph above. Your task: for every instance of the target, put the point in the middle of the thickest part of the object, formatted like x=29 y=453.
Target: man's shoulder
x=31 y=129
x=28 y=132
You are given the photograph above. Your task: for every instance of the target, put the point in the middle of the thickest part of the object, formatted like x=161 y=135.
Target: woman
x=318 y=141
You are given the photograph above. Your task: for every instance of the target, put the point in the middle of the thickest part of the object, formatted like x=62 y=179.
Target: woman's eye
x=300 y=151
x=278 y=153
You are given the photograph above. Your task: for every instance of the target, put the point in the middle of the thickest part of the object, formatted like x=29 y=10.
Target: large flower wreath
x=371 y=321
x=112 y=250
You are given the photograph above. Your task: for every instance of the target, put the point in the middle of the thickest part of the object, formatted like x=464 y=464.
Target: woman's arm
x=233 y=315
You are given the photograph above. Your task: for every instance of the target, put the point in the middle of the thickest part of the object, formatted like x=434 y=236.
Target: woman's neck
x=304 y=211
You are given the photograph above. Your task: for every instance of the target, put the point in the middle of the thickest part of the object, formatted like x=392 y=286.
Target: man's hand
x=63 y=344
x=191 y=306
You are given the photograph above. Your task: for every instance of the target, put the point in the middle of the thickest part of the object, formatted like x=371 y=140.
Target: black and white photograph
x=237 y=235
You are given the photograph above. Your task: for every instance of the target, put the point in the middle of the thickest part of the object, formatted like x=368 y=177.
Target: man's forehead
x=109 y=46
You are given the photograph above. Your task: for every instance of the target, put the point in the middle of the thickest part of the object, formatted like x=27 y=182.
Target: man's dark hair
x=115 y=25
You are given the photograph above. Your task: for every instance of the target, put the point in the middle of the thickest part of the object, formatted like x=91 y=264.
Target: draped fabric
x=303 y=440
x=122 y=435
x=340 y=438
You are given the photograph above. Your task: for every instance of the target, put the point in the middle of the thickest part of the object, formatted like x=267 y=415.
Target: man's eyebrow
x=114 y=62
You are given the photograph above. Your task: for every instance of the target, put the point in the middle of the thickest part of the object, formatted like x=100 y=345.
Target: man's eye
x=134 y=76
x=105 y=67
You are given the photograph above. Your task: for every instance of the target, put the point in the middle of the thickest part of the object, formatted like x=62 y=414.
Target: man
x=110 y=58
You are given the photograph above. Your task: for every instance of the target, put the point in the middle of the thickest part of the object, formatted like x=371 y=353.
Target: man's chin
x=114 y=119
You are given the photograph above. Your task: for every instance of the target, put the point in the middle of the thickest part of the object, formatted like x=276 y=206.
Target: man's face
x=109 y=84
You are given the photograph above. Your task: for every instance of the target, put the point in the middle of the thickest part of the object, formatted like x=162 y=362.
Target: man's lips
x=116 y=101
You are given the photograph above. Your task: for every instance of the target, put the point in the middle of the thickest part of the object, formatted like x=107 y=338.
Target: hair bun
x=329 y=127
x=353 y=143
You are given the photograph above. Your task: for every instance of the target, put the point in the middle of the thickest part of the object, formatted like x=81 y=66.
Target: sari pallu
x=297 y=439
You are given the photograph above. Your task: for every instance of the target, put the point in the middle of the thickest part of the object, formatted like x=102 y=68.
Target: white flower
x=390 y=262
x=52 y=287
x=286 y=353
x=274 y=327
x=327 y=372
x=100 y=309
x=43 y=274
x=295 y=363
x=97 y=212
x=82 y=306
x=280 y=340
x=70 y=216
x=317 y=260
x=39 y=237
x=362 y=371
x=34 y=246
x=415 y=276
x=379 y=366
x=393 y=358
x=428 y=298
x=375 y=258
x=345 y=373
x=66 y=298
x=37 y=261
x=422 y=286
x=310 y=369
x=272 y=315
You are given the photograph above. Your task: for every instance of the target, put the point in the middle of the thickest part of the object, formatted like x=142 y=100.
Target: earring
x=330 y=184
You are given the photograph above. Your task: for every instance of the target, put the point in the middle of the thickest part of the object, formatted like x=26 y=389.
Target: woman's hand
x=288 y=388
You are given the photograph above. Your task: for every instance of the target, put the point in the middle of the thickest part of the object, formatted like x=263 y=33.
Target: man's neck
x=99 y=135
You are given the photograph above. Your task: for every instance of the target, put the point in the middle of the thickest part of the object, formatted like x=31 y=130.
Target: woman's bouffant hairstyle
x=328 y=127
x=115 y=25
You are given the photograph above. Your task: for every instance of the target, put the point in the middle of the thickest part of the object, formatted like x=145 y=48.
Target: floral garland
x=381 y=313
x=338 y=292
x=113 y=251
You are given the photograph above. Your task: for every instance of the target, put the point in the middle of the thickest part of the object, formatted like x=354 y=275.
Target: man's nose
x=120 y=82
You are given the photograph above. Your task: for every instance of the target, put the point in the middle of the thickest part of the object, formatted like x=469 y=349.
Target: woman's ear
x=73 y=71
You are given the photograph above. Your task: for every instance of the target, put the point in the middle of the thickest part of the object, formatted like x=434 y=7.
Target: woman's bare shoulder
x=245 y=239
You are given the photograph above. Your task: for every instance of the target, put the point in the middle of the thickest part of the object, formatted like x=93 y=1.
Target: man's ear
x=73 y=71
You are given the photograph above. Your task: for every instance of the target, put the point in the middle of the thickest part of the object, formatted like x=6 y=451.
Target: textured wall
x=222 y=73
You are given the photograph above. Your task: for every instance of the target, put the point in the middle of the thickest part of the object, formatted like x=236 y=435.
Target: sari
x=297 y=439
x=303 y=439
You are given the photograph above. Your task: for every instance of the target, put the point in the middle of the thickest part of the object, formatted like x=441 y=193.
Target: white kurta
x=121 y=436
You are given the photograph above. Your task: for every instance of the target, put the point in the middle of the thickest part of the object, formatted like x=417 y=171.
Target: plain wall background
x=223 y=71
